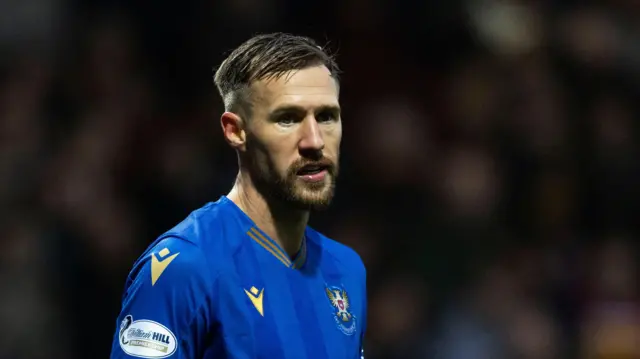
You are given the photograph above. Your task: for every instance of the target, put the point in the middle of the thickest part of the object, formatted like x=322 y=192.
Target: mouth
x=308 y=170
x=313 y=172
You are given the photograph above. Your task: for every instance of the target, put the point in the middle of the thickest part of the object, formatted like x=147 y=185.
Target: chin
x=312 y=206
x=316 y=200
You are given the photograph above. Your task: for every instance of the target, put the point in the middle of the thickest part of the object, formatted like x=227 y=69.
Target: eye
x=326 y=116
x=287 y=119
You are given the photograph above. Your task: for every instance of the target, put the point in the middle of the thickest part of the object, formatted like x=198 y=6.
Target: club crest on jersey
x=339 y=300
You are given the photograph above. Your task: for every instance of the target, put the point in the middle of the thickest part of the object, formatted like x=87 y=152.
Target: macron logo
x=256 y=296
x=159 y=265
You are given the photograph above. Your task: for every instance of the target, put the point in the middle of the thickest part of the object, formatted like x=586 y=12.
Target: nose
x=311 y=137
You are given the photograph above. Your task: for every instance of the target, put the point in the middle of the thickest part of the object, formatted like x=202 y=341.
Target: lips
x=311 y=169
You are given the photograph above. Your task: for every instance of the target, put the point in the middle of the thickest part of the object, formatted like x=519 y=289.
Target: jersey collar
x=276 y=250
x=271 y=246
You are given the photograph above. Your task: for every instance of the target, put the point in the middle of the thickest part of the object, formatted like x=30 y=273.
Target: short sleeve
x=167 y=305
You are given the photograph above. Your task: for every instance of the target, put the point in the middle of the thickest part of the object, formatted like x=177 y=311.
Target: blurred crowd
x=489 y=165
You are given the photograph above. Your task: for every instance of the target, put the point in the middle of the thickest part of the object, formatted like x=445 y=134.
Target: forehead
x=308 y=88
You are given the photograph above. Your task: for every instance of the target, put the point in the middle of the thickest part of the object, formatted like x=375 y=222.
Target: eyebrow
x=301 y=110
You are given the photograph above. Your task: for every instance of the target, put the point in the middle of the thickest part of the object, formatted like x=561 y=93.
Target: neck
x=283 y=223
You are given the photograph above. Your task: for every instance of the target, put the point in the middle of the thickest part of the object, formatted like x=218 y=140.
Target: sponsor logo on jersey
x=339 y=300
x=160 y=263
x=146 y=338
x=256 y=296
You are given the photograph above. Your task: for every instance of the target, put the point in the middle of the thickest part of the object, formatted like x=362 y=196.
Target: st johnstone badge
x=339 y=301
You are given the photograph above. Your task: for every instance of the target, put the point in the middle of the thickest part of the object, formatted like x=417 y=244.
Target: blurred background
x=489 y=171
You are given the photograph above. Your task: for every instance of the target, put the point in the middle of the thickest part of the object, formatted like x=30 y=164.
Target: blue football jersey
x=216 y=286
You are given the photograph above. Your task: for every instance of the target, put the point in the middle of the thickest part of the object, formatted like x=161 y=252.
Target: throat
x=288 y=232
x=282 y=223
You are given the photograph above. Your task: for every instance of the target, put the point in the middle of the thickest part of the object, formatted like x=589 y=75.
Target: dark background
x=489 y=169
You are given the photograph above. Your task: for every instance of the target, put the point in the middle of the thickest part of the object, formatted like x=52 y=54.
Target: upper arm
x=167 y=305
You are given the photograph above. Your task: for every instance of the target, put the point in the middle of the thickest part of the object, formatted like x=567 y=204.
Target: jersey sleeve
x=167 y=306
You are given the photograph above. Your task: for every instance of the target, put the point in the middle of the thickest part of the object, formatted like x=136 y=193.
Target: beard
x=290 y=188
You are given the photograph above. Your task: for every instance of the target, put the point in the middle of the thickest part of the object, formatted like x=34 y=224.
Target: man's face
x=293 y=137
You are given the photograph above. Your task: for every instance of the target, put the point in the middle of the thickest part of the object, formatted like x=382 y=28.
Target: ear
x=233 y=128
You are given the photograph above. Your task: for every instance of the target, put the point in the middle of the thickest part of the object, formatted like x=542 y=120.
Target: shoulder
x=345 y=257
x=197 y=248
x=210 y=230
x=171 y=263
x=202 y=225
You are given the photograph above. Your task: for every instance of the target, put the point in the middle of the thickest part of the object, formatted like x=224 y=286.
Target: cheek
x=271 y=149
x=332 y=140
x=280 y=157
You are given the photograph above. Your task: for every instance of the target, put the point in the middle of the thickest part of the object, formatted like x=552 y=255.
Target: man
x=245 y=277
